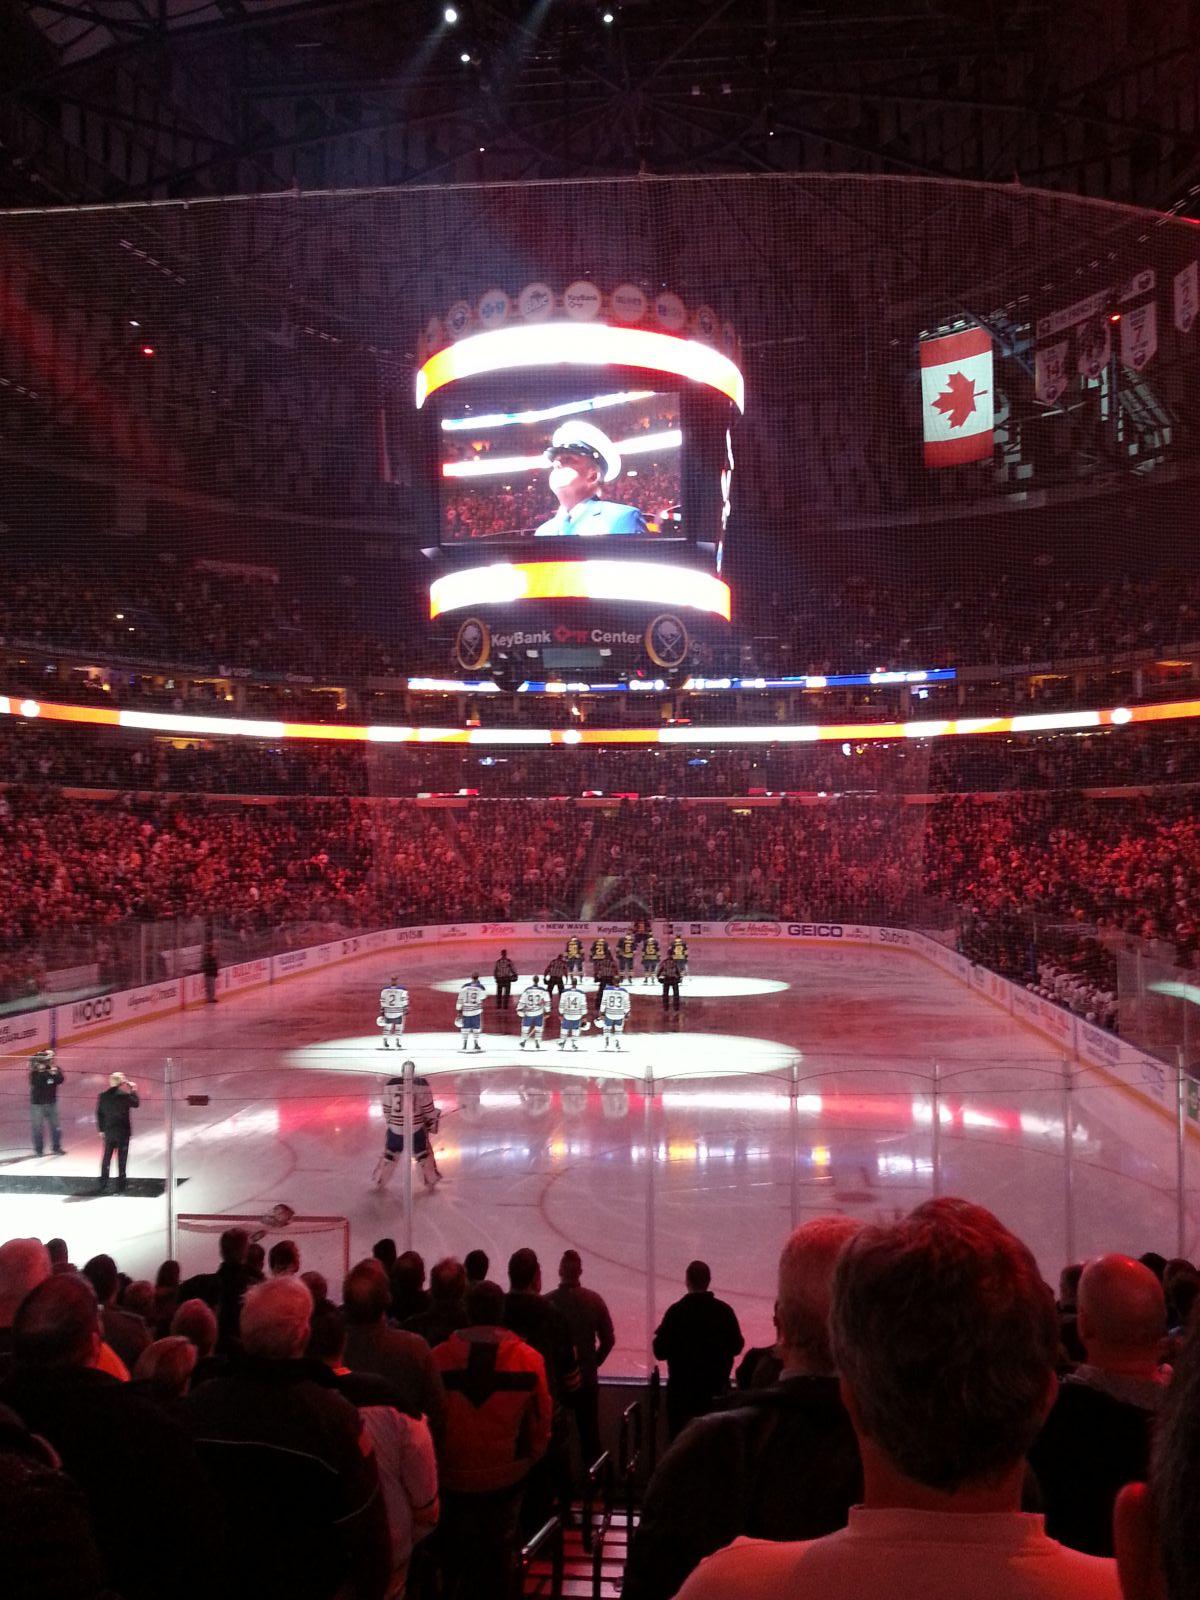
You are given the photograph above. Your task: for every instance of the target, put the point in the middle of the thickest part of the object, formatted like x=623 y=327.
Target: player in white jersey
x=572 y=1015
x=614 y=1008
x=532 y=1008
x=426 y=1117
x=469 y=1010
x=393 y=1010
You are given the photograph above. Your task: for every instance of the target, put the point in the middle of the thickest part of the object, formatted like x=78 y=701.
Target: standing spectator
x=780 y=1462
x=447 y=1311
x=591 y=1330
x=45 y=1076
x=1158 y=1553
x=497 y=1426
x=166 y=1296
x=505 y=975
x=283 y=1259
x=112 y=1119
x=286 y=1453
x=944 y=1337
x=698 y=1338
x=403 y=1448
x=210 y=967
x=404 y=1359
x=152 y=1511
x=126 y=1332
x=531 y=1316
x=409 y=1294
x=1097 y=1436
x=475 y=1265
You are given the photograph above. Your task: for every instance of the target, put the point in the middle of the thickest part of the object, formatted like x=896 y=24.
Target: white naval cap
x=580 y=438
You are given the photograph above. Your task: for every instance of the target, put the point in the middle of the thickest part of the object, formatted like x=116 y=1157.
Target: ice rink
x=794 y=1081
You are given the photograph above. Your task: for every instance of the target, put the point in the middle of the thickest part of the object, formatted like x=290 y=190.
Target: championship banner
x=1139 y=335
x=1050 y=372
x=1093 y=345
x=957 y=398
x=1187 y=296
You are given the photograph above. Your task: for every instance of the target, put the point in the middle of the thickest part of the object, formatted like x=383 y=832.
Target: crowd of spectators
x=928 y=1417
x=1036 y=879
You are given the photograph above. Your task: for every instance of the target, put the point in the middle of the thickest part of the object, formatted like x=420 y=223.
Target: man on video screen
x=580 y=458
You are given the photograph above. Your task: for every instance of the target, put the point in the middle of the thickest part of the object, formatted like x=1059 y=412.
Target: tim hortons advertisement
x=753 y=930
x=25 y=1033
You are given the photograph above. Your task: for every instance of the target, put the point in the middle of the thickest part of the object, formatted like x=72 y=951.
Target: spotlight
x=465 y=58
x=147 y=350
x=608 y=19
x=450 y=15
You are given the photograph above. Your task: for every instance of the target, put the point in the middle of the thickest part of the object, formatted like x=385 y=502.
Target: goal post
x=323 y=1241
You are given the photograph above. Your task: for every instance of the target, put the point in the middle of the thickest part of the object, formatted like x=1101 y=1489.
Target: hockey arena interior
x=524 y=1061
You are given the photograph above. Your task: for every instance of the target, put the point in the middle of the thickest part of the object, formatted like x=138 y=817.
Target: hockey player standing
x=556 y=974
x=599 y=950
x=532 y=1008
x=393 y=1010
x=426 y=1117
x=575 y=956
x=572 y=1015
x=505 y=975
x=650 y=958
x=626 y=950
x=606 y=972
x=469 y=1010
x=678 y=951
x=669 y=976
x=614 y=1008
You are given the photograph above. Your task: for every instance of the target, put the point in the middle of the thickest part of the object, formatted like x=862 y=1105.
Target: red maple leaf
x=958 y=401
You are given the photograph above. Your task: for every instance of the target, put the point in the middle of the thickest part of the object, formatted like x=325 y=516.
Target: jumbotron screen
x=560 y=460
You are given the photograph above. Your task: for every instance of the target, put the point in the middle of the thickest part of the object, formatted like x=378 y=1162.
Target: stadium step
x=577 y=1565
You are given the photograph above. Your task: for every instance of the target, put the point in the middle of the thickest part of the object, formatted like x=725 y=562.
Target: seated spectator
x=497 y=1426
x=138 y=1299
x=944 y=1337
x=1068 y=1294
x=123 y=1330
x=447 y=1310
x=152 y=1510
x=1097 y=1436
x=698 y=1339
x=403 y=1448
x=45 y=1534
x=164 y=1369
x=1158 y=1551
x=283 y=1258
x=403 y=1358
x=318 y=1285
x=289 y=1457
x=384 y=1251
x=60 y=1256
x=166 y=1296
x=197 y=1323
x=1181 y=1285
x=779 y=1462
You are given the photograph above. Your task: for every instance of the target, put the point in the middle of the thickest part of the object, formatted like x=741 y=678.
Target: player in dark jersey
x=626 y=950
x=599 y=950
x=678 y=951
x=575 y=957
x=605 y=972
x=651 y=955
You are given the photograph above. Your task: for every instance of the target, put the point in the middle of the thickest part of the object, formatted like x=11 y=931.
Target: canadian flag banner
x=1187 y=297
x=1050 y=372
x=1139 y=335
x=956 y=398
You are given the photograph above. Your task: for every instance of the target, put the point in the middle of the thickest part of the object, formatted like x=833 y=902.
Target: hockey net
x=323 y=1242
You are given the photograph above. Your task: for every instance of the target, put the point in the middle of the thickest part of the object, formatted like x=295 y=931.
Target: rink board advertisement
x=104 y=1011
x=26 y=1032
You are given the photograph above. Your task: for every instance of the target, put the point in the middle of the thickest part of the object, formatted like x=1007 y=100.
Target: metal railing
x=549 y=1536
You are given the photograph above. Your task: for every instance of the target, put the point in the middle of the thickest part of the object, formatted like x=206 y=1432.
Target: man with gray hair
x=284 y=1451
x=776 y=1463
x=1097 y=1436
x=24 y=1263
x=945 y=1337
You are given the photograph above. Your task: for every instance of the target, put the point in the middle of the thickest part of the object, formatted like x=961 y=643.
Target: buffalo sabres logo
x=473 y=646
x=667 y=641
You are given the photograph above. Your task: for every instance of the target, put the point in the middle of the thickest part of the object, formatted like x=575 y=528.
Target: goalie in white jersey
x=572 y=1015
x=614 y=1008
x=425 y=1116
x=469 y=1010
x=532 y=1008
x=393 y=1011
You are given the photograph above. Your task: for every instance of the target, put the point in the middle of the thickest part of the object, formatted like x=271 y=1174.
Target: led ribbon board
x=646 y=581
x=581 y=344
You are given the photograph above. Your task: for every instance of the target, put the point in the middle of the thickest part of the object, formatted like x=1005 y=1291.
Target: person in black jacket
x=45 y=1075
x=505 y=974
x=780 y=1462
x=112 y=1118
x=698 y=1338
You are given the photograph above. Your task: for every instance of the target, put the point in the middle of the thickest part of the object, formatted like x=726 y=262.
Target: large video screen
x=563 y=459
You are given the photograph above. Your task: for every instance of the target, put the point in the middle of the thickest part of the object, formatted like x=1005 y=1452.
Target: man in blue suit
x=581 y=457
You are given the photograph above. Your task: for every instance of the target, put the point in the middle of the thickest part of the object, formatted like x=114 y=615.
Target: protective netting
x=218 y=498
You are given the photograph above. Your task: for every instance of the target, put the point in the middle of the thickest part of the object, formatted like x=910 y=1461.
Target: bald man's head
x=1122 y=1316
x=24 y=1263
x=806 y=1290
